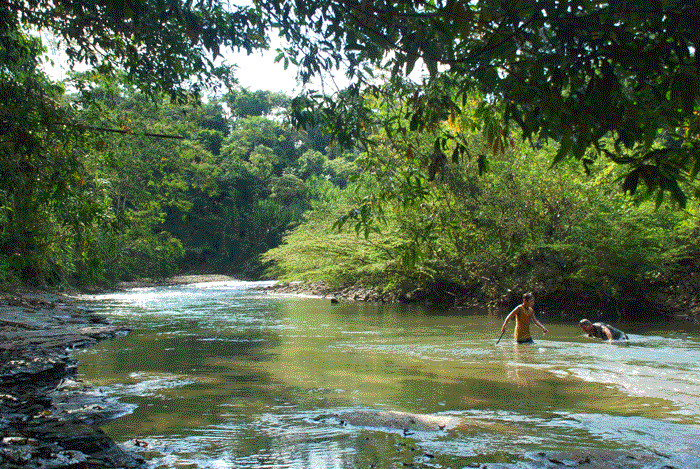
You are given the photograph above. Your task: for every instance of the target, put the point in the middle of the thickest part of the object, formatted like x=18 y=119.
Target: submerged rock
x=392 y=420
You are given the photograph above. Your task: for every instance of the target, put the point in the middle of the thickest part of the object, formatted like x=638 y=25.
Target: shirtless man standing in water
x=524 y=315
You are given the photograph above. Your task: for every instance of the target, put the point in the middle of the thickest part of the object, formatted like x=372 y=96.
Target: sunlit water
x=220 y=375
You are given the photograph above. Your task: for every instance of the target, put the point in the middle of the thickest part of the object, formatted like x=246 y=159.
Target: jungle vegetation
x=481 y=228
x=552 y=145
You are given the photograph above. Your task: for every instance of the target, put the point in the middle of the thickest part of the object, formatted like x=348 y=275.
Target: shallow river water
x=219 y=375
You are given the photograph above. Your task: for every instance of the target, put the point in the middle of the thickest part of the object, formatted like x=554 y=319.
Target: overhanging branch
x=121 y=131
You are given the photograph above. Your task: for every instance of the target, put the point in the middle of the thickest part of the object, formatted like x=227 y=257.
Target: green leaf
x=659 y=198
x=456 y=153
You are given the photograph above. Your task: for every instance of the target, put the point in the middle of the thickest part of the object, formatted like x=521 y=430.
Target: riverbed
x=220 y=374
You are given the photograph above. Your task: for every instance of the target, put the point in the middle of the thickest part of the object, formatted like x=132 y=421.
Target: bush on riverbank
x=576 y=238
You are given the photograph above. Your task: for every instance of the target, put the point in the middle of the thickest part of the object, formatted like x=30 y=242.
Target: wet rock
x=596 y=459
x=401 y=421
x=415 y=296
x=64 y=459
x=43 y=423
x=352 y=293
x=89 y=440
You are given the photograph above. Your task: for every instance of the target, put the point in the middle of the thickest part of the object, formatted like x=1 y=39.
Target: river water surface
x=220 y=375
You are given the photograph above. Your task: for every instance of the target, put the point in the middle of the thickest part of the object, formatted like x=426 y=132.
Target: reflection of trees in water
x=260 y=375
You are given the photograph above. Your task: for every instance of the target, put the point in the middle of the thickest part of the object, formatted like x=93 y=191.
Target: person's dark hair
x=584 y=322
x=528 y=296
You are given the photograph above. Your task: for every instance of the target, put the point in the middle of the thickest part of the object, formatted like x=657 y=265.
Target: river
x=220 y=375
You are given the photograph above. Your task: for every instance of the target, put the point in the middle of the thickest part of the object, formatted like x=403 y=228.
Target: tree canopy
x=569 y=71
x=169 y=46
x=616 y=80
x=572 y=71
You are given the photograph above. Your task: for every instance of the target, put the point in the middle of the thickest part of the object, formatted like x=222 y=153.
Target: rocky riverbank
x=47 y=419
x=683 y=307
x=177 y=280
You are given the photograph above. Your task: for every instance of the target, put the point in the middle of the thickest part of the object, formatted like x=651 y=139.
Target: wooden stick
x=499 y=339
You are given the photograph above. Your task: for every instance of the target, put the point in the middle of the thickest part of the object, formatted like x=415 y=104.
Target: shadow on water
x=225 y=377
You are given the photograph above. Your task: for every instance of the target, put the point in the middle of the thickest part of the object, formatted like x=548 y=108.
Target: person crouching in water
x=524 y=315
x=602 y=330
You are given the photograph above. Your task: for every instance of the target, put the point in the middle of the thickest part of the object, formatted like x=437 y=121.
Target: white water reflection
x=225 y=376
x=178 y=300
x=651 y=367
x=148 y=384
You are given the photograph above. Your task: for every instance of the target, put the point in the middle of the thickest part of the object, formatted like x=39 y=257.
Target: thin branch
x=120 y=131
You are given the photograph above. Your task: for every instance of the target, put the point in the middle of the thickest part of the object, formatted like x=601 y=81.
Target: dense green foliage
x=431 y=185
x=39 y=159
x=168 y=47
x=574 y=72
x=521 y=225
x=121 y=185
x=218 y=193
